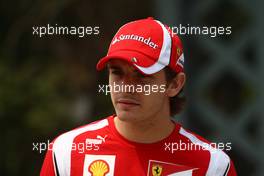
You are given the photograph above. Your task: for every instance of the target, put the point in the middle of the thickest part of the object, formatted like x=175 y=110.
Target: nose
x=129 y=83
x=128 y=79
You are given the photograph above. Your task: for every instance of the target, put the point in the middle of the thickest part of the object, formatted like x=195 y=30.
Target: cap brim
x=132 y=57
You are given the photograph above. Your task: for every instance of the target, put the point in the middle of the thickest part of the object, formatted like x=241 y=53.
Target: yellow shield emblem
x=156 y=170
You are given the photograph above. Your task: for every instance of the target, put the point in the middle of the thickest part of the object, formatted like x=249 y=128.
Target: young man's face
x=138 y=105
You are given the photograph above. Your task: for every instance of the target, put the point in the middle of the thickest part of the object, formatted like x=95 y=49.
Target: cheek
x=153 y=101
x=112 y=93
x=110 y=80
x=113 y=96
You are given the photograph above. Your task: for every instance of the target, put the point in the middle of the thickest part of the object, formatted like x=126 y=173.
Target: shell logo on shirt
x=99 y=165
x=98 y=168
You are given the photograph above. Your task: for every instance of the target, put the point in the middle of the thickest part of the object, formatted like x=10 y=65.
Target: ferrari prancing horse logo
x=156 y=170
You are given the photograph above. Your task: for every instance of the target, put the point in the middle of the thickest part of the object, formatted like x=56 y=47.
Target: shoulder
x=69 y=136
x=219 y=162
x=62 y=145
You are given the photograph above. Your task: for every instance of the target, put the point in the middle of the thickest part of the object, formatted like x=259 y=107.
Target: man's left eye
x=143 y=76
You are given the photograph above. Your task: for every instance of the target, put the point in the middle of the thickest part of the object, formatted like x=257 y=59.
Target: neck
x=148 y=131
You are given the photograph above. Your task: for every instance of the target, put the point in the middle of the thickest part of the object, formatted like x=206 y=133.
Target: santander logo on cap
x=150 y=43
x=146 y=41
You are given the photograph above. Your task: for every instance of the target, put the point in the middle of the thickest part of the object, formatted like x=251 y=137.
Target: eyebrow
x=116 y=67
x=112 y=66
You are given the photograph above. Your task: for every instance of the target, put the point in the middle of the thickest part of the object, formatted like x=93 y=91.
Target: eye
x=116 y=72
x=139 y=75
x=144 y=78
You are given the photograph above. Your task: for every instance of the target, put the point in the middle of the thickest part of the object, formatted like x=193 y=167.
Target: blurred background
x=49 y=85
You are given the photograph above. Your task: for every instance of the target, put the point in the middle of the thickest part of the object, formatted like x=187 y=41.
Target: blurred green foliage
x=48 y=85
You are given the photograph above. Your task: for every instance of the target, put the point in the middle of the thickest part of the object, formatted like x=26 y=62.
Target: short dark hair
x=177 y=102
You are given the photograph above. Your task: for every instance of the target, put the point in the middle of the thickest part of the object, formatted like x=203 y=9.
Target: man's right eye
x=116 y=72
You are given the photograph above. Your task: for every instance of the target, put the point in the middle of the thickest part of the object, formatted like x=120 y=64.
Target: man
x=146 y=76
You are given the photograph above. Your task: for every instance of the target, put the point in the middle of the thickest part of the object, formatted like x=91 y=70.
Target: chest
x=119 y=160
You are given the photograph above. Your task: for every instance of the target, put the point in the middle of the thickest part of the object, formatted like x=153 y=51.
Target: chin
x=126 y=115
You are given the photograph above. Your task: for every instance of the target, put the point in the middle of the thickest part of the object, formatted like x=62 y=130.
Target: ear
x=176 y=84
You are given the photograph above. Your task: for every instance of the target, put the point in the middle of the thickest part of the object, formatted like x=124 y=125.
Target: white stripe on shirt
x=63 y=145
x=219 y=161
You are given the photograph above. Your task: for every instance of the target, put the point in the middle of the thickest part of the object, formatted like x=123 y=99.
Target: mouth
x=127 y=102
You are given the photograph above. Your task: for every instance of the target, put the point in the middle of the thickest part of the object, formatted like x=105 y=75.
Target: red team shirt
x=97 y=149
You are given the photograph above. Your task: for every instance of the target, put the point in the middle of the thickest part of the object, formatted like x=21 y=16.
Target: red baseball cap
x=148 y=45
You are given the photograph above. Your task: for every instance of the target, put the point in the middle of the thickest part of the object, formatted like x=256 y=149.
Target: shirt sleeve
x=49 y=165
x=231 y=171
